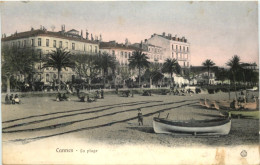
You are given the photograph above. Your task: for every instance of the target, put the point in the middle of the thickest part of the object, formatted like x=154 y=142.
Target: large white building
x=45 y=42
x=172 y=47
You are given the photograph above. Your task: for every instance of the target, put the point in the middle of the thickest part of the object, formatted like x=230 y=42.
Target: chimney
x=126 y=42
x=32 y=28
x=170 y=36
x=81 y=34
x=145 y=41
x=40 y=27
x=163 y=34
x=141 y=45
x=63 y=28
x=87 y=34
x=92 y=37
x=100 y=38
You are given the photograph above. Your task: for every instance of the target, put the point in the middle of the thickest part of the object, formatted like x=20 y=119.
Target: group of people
x=12 y=99
x=63 y=97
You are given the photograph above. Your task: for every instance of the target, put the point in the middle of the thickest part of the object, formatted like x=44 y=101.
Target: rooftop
x=170 y=37
x=115 y=45
x=39 y=32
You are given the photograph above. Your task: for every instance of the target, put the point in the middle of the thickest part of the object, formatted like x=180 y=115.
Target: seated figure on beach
x=16 y=99
x=65 y=97
x=7 y=101
x=233 y=104
x=58 y=97
x=12 y=99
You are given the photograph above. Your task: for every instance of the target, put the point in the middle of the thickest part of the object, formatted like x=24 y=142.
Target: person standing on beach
x=140 y=117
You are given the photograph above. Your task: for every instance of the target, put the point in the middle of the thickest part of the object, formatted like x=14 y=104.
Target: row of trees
x=22 y=61
x=235 y=73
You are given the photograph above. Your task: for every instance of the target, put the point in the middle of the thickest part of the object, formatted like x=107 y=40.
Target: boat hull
x=161 y=127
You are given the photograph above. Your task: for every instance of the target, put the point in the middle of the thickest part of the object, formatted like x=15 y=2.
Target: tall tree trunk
x=171 y=80
x=208 y=76
x=234 y=78
x=8 y=85
x=59 y=79
x=151 y=81
x=139 y=77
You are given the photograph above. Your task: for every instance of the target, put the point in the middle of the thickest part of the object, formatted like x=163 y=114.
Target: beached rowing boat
x=219 y=126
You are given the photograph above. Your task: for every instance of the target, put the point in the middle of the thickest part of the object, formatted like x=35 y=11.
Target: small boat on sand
x=219 y=126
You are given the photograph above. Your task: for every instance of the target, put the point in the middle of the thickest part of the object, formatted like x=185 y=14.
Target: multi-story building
x=121 y=52
x=154 y=53
x=45 y=42
x=172 y=47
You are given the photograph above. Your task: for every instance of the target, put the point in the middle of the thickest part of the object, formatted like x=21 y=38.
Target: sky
x=215 y=30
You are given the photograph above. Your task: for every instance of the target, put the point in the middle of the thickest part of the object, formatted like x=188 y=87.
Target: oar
x=167 y=116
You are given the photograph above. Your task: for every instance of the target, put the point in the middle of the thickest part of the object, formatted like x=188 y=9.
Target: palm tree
x=235 y=66
x=171 y=66
x=59 y=59
x=208 y=64
x=105 y=62
x=138 y=60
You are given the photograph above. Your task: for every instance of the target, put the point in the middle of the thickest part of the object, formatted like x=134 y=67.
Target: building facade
x=44 y=42
x=172 y=47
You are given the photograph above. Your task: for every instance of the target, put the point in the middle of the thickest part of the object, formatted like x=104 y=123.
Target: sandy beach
x=113 y=121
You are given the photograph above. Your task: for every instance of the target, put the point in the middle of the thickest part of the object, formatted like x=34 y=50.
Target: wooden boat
x=219 y=126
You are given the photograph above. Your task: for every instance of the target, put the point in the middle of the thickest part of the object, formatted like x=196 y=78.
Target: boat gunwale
x=194 y=123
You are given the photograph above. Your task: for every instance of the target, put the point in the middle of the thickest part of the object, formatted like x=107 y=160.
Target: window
x=54 y=43
x=95 y=49
x=172 y=47
x=176 y=47
x=60 y=44
x=129 y=54
x=47 y=78
x=180 y=48
x=84 y=47
x=187 y=49
x=122 y=54
x=47 y=42
x=19 y=44
x=125 y=54
x=90 y=48
x=32 y=42
x=172 y=55
x=73 y=46
x=183 y=63
x=113 y=53
x=39 y=42
x=176 y=55
x=187 y=64
x=40 y=53
x=184 y=48
x=24 y=43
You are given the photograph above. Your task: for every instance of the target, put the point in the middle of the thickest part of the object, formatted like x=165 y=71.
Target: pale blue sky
x=216 y=30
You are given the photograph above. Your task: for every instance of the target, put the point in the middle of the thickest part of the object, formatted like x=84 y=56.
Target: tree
x=59 y=59
x=105 y=62
x=235 y=67
x=171 y=66
x=208 y=64
x=138 y=60
x=154 y=72
x=17 y=62
x=86 y=66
